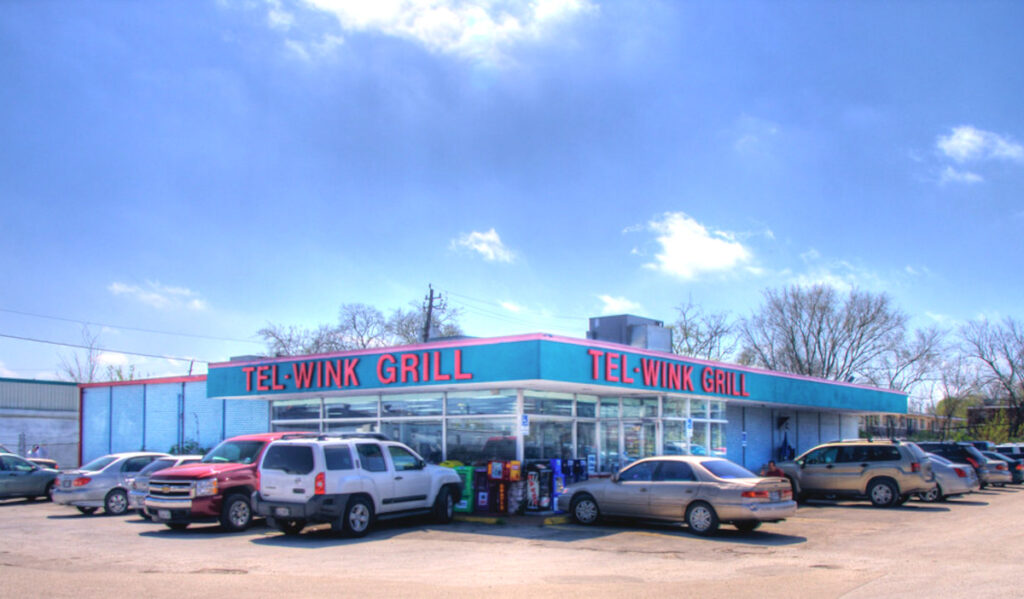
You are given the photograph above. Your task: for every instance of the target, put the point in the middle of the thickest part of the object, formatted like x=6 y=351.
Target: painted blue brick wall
x=126 y=433
x=95 y=423
x=204 y=418
x=830 y=430
x=808 y=431
x=162 y=416
x=245 y=416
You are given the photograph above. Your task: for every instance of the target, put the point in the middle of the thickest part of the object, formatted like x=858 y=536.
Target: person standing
x=772 y=470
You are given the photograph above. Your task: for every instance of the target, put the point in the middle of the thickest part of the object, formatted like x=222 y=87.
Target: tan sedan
x=701 y=491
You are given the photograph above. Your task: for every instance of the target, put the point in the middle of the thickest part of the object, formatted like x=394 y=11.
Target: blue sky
x=204 y=168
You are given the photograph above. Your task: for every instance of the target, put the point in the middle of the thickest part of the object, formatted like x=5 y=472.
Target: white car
x=349 y=482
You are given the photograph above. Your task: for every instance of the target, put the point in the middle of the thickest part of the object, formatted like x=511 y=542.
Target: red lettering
x=610 y=365
x=625 y=370
x=743 y=386
x=248 y=370
x=596 y=355
x=261 y=378
x=351 y=380
x=409 y=364
x=687 y=381
x=319 y=375
x=332 y=372
x=438 y=375
x=651 y=371
x=390 y=377
x=303 y=373
x=459 y=375
x=707 y=380
x=675 y=376
x=276 y=386
x=720 y=381
x=426 y=367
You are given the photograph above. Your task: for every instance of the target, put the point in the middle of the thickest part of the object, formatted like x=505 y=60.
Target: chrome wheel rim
x=359 y=517
x=881 y=494
x=239 y=514
x=117 y=503
x=700 y=518
x=586 y=511
x=932 y=494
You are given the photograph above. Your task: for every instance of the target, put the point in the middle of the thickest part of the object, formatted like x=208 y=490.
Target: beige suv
x=886 y=472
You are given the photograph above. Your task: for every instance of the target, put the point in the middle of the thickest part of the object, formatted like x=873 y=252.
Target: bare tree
x=295 y=341
x=82 y=367
x=700 y=334
x=813 y=331
x=958 y=389
x=406 y=326
x=999 y=348
x=909 y=362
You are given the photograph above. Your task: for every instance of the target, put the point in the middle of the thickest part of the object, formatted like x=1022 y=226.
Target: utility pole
x=430 y=311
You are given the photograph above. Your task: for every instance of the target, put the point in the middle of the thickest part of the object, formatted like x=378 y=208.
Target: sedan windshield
x=239 y=452
x=726 y=469
x=98 y=464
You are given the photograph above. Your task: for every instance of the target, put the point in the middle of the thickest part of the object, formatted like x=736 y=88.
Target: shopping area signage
x=526 y=359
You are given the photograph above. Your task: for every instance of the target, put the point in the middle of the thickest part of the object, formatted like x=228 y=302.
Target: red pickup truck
x=216 y=489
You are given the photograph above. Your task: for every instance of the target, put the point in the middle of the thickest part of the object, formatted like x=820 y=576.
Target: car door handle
x=643 y=489
x=398 y=478
x=863 y=465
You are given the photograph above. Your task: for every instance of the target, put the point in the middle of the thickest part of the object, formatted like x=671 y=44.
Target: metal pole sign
x=524 y=424
x=689 y=428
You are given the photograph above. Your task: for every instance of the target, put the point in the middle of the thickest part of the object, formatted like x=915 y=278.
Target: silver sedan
x=701 y=491
x=950 y=479
x=102 y=483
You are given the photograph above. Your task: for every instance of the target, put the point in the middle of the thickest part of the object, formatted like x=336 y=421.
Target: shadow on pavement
x=906 y=507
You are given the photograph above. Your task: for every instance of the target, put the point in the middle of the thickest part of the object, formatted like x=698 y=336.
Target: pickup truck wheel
x=358 y=516
x=88 y=511
x=236 y=515
x=116 y=502
x=444 y=506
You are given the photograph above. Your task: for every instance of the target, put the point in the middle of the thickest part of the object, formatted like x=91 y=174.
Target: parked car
x=1013 y=466
x=138 y=485
x=349 y=483
x=701 y=491
x=102 y=483
x=22 y=478
x=951 y=479
x=885 y=472
x=1013 y=450
x=965 y=453
x=218 y=488
x=44 y=462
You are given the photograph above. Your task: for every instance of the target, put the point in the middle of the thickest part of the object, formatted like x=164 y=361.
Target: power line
x=127 y=328
x=102 y=349
x=498 y=305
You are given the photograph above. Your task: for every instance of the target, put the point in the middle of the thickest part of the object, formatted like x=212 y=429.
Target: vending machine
x=481 y=496
x=465 y=502
x=538 y=487
x=557 y=480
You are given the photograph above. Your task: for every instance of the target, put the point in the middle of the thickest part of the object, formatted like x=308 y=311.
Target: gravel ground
x=963 y=548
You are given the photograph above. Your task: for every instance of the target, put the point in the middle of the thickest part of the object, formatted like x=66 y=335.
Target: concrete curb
x=538 y=520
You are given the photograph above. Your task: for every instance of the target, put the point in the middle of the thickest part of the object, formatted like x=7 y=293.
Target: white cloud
x=952 y=175
x=488 y=244
x=965 y=143
x=478 y=29
x=840 y=274
x=617 y=305
x=107 y=358
x=688 y=249
x=512 y=307
x=6 y=372
x=160 y=296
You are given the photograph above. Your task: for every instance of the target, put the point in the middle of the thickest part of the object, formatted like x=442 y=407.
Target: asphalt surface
x=964 y=548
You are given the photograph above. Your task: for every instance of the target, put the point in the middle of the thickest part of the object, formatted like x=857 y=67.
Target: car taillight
x=1018 y=467
x=756 y=494
x=915 y=466
x=81 y=481
x=960 y=472
x=1000 y=466
x=319 y=484
x=786 y=495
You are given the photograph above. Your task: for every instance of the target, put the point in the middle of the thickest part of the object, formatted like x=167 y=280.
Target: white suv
x=349 y=482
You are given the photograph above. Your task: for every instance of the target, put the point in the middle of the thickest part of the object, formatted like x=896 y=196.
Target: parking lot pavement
x=963 y=548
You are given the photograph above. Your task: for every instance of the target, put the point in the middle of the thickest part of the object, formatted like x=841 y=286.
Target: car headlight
x=206 y=486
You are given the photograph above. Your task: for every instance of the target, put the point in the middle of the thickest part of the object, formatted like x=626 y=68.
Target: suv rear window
x=291 y=459
x=883 y=453
x=338 y=458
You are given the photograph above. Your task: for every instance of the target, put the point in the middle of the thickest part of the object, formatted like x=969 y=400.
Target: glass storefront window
x=350 y=427
x=586 y=406
x=413 y=404
x=497 y=401
x=699 y=442
x=547 y=402
x=295 y=409
x=674 y=407
x=548 y=440
x=698 y=408
x=717 y=410
x=610 y=456
x=718 y=439
x=674 y=437
x=586 y=444
x=424 y=437
x=609 y=407
x=477 y=441
x=638 y=441
x=362 y=406
x=631 y=407
x=307 y=426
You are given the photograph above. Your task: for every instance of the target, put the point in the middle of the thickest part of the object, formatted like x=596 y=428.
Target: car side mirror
x=800 y=463
x=420 y=464
x=615 y=477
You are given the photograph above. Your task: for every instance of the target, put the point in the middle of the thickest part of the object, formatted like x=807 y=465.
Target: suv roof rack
x=353 y=435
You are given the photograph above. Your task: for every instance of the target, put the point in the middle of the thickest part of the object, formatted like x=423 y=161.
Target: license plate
x=775 y=495
x=163 y=514
x=282 y=512
x=66 y=484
